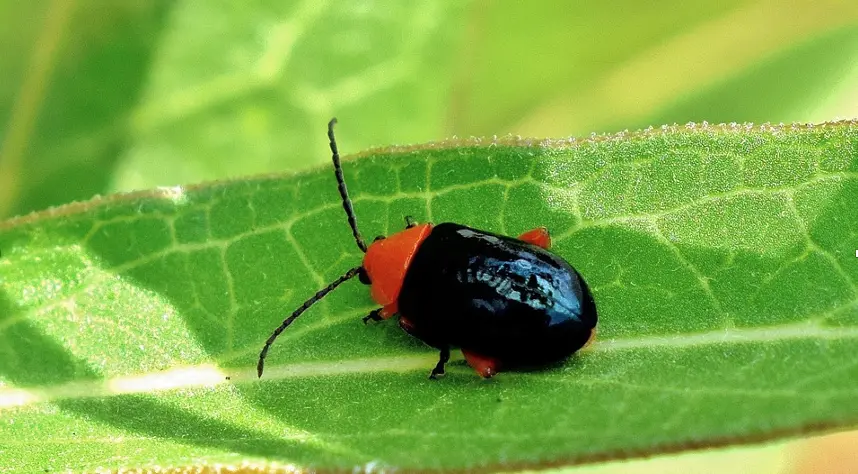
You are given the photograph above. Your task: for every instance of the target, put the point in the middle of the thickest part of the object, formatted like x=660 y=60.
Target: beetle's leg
x=538 y=236
x=443 y=357
x=409 y=222
x=431 y=340
x=381 y=313
x=487 y=367
x=374 y=315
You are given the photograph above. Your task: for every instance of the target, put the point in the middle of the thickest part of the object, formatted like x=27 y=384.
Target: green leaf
x=722 y=260
x=72 y=73
x=758 y=94
x=262 y=80
x=98 y=98
x=624 y=65
x=131 y=95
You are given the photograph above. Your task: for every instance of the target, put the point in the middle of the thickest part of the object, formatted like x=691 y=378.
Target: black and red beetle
x=505 y=302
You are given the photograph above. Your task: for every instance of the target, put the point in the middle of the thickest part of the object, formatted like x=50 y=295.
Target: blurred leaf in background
x=106 y=96
x=72 y=72
x=762 y=61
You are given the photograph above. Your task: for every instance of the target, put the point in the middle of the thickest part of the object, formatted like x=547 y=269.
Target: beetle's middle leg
x=443 y=357
x=430 y=339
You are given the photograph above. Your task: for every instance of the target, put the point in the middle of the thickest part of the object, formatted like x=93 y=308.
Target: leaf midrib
x=208 y=375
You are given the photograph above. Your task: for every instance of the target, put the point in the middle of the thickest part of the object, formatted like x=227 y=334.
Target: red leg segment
x=539 y=237
x=388 y=311
x=485 y=366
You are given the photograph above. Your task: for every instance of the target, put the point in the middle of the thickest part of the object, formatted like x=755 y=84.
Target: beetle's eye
x=363 y=276
x=377 y=238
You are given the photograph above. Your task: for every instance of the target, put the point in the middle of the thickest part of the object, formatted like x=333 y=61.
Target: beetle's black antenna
x=344 y=192
x=310 y=302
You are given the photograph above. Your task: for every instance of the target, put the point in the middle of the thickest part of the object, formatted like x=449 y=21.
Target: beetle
x=507 y=303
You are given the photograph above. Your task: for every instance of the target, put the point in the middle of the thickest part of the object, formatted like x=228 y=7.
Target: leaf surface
x=722 y=260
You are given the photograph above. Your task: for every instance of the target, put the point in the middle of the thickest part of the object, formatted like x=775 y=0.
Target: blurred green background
x=101 y=96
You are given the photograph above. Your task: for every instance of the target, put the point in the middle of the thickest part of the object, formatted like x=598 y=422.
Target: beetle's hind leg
x=538 y=236
x=443 y=357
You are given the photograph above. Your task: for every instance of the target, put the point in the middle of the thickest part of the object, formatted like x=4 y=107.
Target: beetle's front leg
x=374 y=315
x=381 y=313
x=443 y=357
